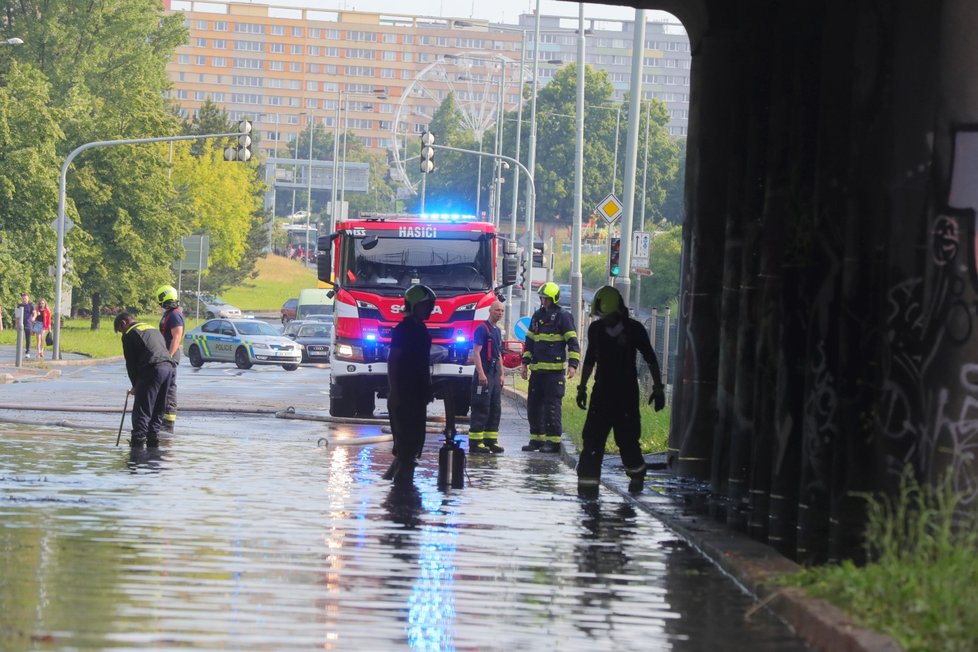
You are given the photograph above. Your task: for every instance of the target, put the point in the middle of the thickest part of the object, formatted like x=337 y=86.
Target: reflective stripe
x=475 y=436
x=587 y=482
x=490 y=434
x=569 y=334
x=548 y=337
x=169 y=417
x=639 y=470
x=540 y=438
x=546 y=366
x=573 y=355
x=554 y=439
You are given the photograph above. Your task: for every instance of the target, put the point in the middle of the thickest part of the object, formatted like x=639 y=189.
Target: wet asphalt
x=248 y=531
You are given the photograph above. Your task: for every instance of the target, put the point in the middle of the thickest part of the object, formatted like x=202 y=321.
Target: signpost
x=641 y=248
x=520 y=328
x=609 y=208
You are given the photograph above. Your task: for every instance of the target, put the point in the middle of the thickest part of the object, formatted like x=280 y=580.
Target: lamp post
x=338 y=185
x=312 y=120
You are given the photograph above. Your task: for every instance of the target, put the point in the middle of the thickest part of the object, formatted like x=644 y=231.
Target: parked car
x=245 y=342
x=288 y=309
x=314 y=337
x=214 y=306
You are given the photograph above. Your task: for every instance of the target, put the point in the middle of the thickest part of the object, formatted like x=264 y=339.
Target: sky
x=506 y=11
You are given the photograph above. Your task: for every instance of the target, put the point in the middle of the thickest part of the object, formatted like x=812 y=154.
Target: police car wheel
x=196 y=359
x=290 y=367
x=241 y=358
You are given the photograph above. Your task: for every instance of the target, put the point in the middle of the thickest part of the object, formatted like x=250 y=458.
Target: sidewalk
x=683 y=506
x=34 y=369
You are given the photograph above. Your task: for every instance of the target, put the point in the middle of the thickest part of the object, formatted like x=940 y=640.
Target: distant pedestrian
x=551 y=343
x=612 y=343
x=150 y=370
x=487 y=385
x=1 y=318
x=172 y=327
x=42 y=324
x=27 y=321
x=409 y=378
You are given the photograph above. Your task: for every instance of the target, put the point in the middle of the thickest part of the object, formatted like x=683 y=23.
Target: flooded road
x=249 y=535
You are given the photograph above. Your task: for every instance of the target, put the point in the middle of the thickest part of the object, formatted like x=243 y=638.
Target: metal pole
x=631 y=151
x=62 y=183
x=575 y=276
x=312 y=122
x=532 y=160
x=614 y=167
x=500 y=117
x=478 y=185
x=332 y=194
x=645 y=178
x=346 y=128
x=424 y=187
x=516 y=182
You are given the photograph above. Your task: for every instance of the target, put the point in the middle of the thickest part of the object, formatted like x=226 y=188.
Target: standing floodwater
x=267 y=542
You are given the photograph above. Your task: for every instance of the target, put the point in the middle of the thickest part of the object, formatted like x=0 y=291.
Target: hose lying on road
x=355 y=441
x=100 y=410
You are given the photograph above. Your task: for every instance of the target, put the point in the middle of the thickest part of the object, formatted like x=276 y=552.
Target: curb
x=757 y=568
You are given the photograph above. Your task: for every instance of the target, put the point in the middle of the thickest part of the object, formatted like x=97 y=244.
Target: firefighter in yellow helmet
x=172 y=327
x=550 y=347
x=612 y=342
x=409 y=378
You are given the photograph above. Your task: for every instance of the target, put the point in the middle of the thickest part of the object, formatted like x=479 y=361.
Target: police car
x=245 y=342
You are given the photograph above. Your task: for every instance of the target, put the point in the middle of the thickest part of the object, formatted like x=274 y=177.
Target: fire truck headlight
x=366 y=305
x=349 y=352
x=370 y=337
x=468 y=306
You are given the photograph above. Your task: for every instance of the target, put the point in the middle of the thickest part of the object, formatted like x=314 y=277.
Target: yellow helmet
x=607 y=301
x=166 y=293
x=550 y=290
x=418 y=294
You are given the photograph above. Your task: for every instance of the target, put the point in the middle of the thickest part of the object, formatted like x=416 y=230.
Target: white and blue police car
x=245 y=342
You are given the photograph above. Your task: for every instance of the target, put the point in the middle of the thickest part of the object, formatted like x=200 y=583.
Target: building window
x=314 y=32
x=407 y=57
x=220 y=44
x=331 y=87
x=295 y=84
x=200 y=60
x=390 y=38
x=276 y=30
x=388 y=73
x=408 y=39
x=274 y=100
x=313 y=50
x=311 y=103
x=182 y=94
x=331 y=69
x=359 y=71
x=332 y=52
x=252 y=64
x=243 y=80
x=295 y=66
x=369 y=37
x=183 y=58
x=294 y=102
x=220 y=26
x=276 y=66
x=248 y=46
x=249 y=28
x=245 y=98
x=313 y=68
x=296 y=31
x=201 y=43
x=312 y=86
x=389 y=55
x=202 y=25
x=276 y=48
x=296 y=49
x=360 y=53
x=219 y=62
x=333 y=34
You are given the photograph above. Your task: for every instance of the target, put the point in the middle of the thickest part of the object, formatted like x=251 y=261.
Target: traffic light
x=614 y=257
x=427 y=152
x=521 y=277
x=241 y=151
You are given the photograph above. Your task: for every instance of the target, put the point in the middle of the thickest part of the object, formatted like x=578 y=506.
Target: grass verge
x=922 y=587
x=655 y=425
x=279 y=279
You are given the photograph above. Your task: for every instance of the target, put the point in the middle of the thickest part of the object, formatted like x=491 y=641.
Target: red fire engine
x=369 y=263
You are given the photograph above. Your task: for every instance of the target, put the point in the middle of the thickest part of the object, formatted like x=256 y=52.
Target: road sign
x=520 y=328
x=641 y=248
x=609 y=208
x=69 y=225
x=197 y=247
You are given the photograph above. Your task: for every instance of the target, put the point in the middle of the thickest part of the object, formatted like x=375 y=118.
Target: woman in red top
x=42 y=324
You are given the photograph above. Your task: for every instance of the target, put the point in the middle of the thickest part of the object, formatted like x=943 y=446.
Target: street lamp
x=343 y=98
x=312 y=121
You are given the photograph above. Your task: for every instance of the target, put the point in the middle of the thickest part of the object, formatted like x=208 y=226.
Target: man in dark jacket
x=150 y=370
x=172 y=327
x=551 y=344
x=409 y=378
x=487 y=385
x=612 y=342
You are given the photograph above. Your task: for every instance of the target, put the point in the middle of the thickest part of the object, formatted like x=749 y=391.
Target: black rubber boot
x=493 y=447
x=637 y=482
x=478 y=448
x=137 y=442
x=550 y=447
x=404 y=473
x=152 y=441
x=534 y=445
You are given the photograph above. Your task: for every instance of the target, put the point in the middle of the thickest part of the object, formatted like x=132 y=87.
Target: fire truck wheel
x=340 y=406
x=365 y=404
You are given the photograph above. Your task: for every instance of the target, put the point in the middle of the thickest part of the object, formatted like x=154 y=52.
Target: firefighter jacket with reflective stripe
x=143 y=346
x=551 y=341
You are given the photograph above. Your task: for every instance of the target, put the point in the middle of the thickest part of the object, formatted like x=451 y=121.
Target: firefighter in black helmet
x=551 y=344
x=612 y=342
x=409 y=378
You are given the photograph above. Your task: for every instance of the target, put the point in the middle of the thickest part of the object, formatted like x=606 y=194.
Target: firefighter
x=409 y=377
x=172 y=327
x=551 y=343
x=150 y=369
x=612 y=342
x=487 y=384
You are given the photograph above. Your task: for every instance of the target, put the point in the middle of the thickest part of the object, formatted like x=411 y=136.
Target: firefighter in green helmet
x=551 y=347
x=612 y=343
x=172 y=326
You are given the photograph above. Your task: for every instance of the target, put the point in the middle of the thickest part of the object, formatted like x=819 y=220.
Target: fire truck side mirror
x=510 y=270
x=324 y=259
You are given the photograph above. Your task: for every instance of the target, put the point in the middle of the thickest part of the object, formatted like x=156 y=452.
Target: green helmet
x=607 y=301
x=165 y=294
x=418 y=294
x=551 y=291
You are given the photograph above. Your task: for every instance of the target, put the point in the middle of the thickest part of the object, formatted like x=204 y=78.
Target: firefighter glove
x=658 y=397
x=582 y=397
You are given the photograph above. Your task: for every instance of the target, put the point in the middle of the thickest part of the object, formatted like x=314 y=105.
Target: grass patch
x=922 y=587
x=655 y=425
x=279 y=279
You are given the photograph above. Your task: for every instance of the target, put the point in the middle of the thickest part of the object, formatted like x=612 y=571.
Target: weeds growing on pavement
x=921 y=586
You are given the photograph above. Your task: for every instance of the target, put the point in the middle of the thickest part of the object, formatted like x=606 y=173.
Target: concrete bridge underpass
x=828 y=304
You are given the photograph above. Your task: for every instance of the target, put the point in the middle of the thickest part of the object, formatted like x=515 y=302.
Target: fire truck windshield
x=386 y=264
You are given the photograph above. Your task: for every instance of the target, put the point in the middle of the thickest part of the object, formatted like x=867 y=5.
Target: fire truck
x=369 y=262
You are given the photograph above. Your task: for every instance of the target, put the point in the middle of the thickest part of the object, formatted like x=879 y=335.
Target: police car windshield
x=392 y=264
x=254 y=328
